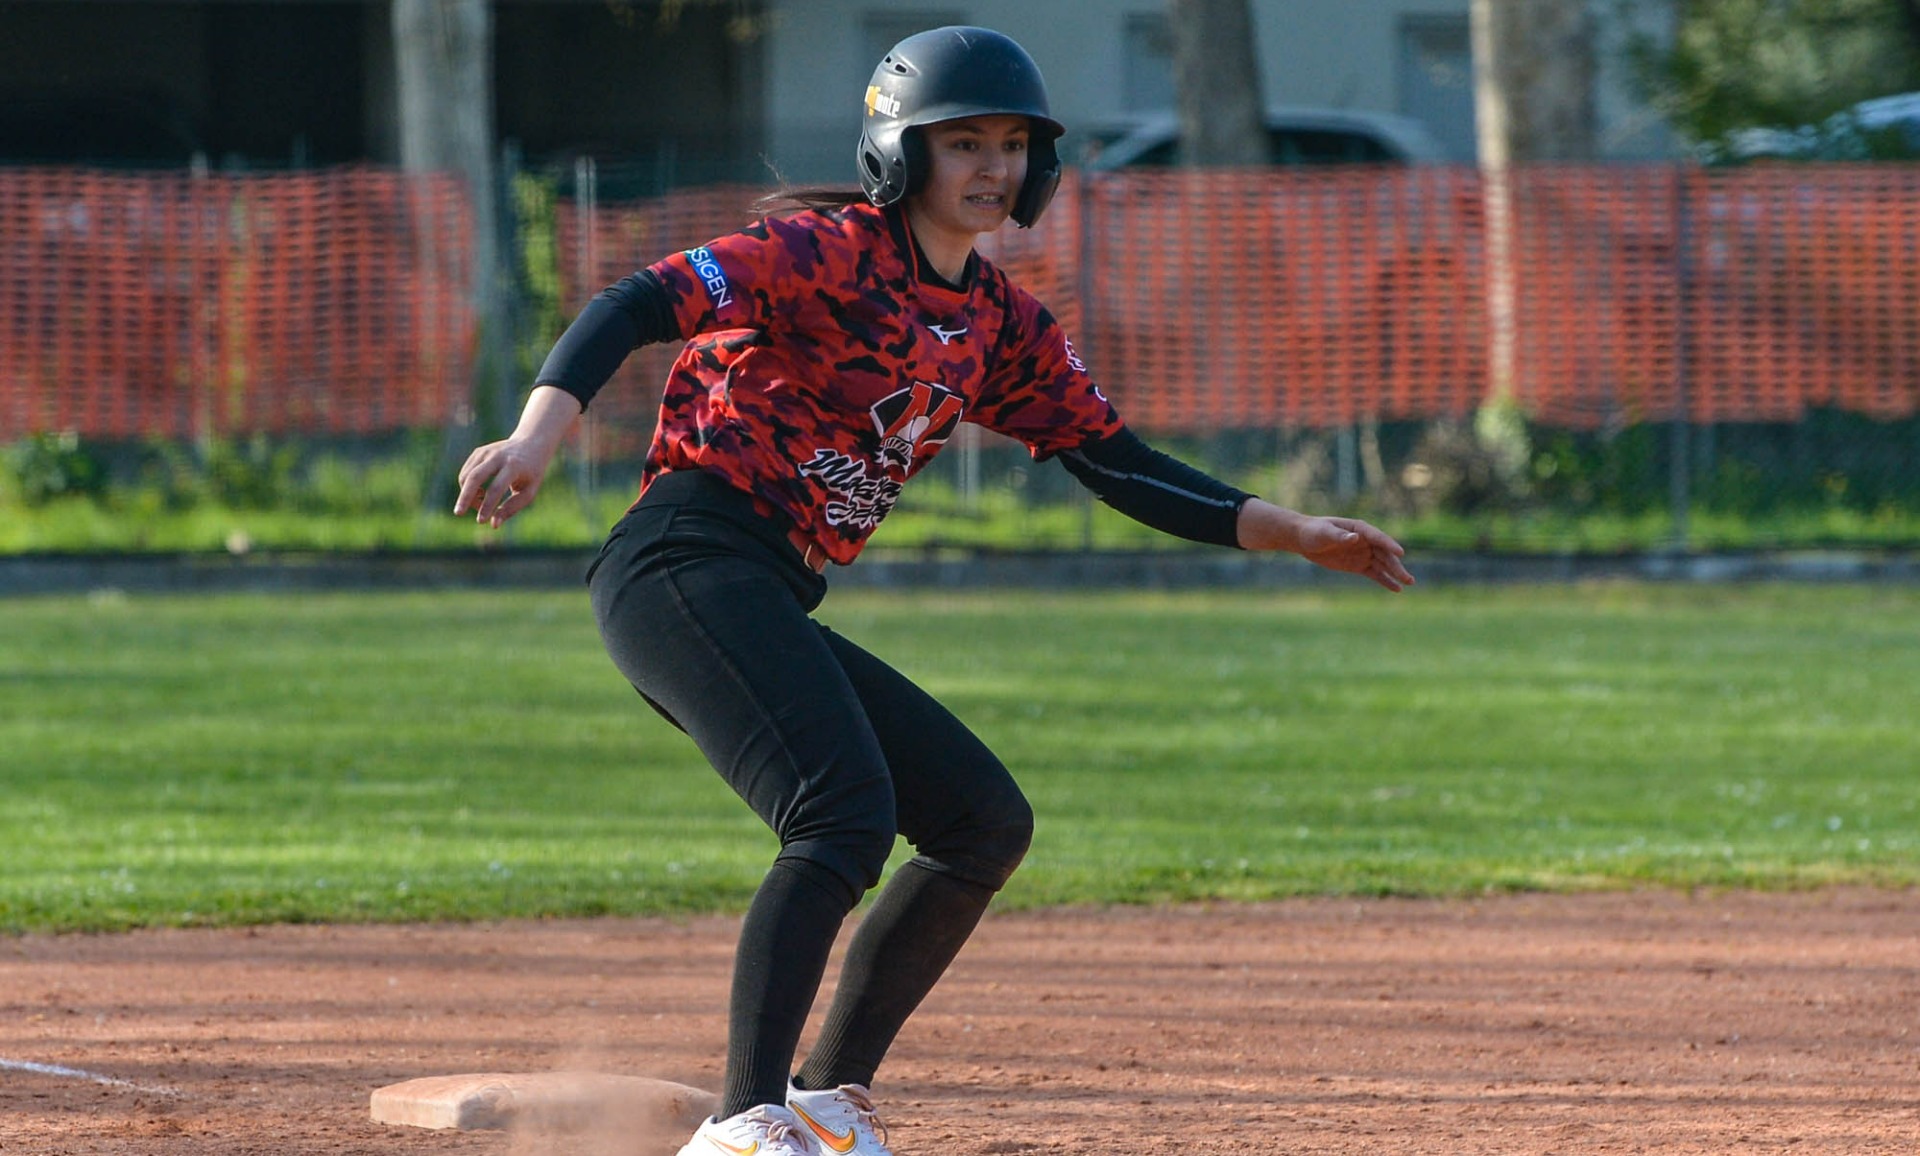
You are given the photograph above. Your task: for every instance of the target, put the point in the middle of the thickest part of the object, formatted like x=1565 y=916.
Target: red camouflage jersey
x=821 y=371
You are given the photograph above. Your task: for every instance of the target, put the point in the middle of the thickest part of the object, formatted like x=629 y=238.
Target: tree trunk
x=443 y=61
x=1533 y=67
x=1533 y=81
x=1216 y=82
x=443 y=54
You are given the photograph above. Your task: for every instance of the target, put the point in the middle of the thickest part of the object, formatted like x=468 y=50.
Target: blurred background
x=1512 y=276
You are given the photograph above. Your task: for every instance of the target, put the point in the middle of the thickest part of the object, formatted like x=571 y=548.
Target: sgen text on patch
x=709 y=272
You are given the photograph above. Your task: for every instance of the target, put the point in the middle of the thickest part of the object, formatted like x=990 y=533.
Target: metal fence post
x=586 y=205
x=1680 y=467
x=1089 y=248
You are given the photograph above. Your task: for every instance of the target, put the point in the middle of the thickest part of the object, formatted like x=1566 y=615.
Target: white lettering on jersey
x=710 y=272
x=856 y=498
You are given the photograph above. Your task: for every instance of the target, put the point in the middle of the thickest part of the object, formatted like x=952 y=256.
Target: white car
x=1882 y=128
x=1296 y=135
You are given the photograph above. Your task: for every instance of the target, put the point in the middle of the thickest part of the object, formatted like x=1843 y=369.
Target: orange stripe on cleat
x=833 y=1140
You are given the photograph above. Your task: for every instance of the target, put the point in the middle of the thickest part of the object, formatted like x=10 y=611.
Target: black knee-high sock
x=902 y=948
x=784 y=943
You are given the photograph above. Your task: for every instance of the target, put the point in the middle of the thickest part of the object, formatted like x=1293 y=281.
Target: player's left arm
x=1163 y=492
x=1050 y=401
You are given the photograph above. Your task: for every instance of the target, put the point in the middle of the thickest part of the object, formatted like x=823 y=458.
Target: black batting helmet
x=946 y=74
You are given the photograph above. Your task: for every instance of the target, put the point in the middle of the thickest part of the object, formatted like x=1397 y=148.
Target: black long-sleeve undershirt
x=1158 y=490
x=626 y=315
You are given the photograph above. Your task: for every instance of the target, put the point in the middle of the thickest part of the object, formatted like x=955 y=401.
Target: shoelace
x=781 y=1130
x=778 y=1129
x=864 y=1113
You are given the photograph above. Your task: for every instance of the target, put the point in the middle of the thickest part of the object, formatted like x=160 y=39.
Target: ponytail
x=818 y=198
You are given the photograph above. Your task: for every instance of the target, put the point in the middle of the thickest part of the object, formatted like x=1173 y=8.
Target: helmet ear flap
x=883 y=172
x=1043 y=179
x=890 y=175
x=913 y=150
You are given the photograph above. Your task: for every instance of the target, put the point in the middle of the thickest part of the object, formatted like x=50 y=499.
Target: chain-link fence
x=1569 y=359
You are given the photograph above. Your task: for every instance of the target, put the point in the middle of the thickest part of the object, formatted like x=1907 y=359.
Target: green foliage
x=541 y=300
x=461 y=755
x=1498 y=483
x=1831 y=479
x=250 y=474
x=43 y=467
x=1739 y=64
x=1612 y=471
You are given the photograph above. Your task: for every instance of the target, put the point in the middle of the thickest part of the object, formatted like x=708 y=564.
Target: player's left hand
x=1355 y=547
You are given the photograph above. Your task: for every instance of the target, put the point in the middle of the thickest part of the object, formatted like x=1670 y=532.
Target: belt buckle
x=810 y=552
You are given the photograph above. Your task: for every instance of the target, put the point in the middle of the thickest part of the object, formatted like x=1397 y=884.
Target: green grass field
x=462 y=755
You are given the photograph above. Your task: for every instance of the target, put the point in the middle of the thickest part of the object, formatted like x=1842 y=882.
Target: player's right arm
x=502 y=478
x=685 y=293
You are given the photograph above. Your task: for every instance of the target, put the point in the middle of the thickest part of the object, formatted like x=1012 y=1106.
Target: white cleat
x=842 y=1120
x=767 y=1130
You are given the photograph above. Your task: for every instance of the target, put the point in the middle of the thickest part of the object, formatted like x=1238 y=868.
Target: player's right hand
x=499 y=480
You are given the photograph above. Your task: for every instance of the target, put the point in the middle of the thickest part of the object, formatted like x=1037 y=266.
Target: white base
x=546 y=1101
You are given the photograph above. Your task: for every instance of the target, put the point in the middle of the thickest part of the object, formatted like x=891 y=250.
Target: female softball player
x=830 y=352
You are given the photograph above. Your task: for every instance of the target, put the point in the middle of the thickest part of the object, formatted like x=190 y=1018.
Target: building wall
x=277 y=83
x=280 y=82
x=164 y=82
x=611 y=80
x=820 y=53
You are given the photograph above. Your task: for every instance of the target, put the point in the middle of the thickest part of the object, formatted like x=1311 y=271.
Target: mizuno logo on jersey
x=946 y=336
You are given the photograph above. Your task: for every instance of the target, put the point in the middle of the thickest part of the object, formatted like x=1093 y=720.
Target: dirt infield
x=1530 y=1024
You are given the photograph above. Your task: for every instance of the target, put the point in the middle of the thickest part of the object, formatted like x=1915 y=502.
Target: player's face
x=975 y=169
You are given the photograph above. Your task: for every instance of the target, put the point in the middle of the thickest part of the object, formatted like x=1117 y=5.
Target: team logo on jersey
x=918 y=417
x=854 y=497
x=946 y=336
x=909 y=421
x=1073 y=358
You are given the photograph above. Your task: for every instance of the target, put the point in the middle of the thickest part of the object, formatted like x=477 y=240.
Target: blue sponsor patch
x=712 y=275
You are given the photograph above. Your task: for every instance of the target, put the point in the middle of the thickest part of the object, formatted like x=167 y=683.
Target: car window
x=1301 y=146
x=1164 y=155
x=1290 y=147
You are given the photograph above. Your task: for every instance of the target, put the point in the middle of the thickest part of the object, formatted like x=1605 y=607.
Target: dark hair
x=821 y=198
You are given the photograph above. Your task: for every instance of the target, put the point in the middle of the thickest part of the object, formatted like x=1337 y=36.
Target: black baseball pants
x=705 y=608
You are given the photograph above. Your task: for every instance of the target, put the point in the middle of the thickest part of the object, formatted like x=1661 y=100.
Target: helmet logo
x=878 y=101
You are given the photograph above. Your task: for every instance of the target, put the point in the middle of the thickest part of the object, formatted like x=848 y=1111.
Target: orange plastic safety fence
x=1803 y=289
x=1596 y=298
x=168 y=304
x=1254 y=298
x=174 y=305
x=1746 y=295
